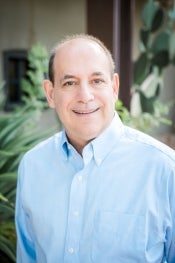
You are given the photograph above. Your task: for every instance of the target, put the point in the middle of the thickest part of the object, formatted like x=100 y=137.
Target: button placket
x=77 y=196
x=71 y=250
x=80 y=178
x=75 y=213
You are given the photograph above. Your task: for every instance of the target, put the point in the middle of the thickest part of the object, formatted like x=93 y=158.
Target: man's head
x=82 y=87
x=79 y=36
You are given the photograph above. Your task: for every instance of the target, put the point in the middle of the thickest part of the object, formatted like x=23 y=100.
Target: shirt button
x=80 y=178
x=71 y=250
x=75 y=213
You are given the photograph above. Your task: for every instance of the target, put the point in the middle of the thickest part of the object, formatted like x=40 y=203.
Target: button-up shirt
x=113 y=204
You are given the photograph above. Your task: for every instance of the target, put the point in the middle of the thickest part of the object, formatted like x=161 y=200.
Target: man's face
x=83 y=92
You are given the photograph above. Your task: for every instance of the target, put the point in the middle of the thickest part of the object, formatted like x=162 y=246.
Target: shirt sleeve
x=170 y=237
x=25 y=243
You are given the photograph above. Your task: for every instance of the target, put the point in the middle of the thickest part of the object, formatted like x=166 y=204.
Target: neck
x=79 y=146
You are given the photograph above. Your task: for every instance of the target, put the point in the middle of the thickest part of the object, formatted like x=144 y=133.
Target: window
x=15 y=67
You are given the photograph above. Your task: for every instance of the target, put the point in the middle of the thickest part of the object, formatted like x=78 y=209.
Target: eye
x=97 y=81
x=69 y=83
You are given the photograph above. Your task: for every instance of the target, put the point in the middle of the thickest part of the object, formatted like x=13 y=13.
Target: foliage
x=157 y=51
x=32 y=85
x=16 y=137
x=145 y=121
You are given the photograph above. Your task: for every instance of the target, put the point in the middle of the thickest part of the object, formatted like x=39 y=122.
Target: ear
x=49 y=92
x=116 y=85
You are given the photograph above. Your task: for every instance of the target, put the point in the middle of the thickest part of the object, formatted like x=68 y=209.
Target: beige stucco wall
x=25 y=22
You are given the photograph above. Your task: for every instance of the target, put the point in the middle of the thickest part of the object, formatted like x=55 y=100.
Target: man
x=97 y=191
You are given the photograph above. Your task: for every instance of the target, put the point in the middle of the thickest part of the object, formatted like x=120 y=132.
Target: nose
x=85 y=93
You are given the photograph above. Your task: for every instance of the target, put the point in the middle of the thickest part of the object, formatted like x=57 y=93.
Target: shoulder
x=45 y=147
x=149 y=144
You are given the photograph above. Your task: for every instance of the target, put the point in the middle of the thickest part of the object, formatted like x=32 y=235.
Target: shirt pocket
x=118 y=237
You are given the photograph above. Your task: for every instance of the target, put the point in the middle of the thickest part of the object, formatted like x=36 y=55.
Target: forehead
x=80 y=45
x=80 y=53
x=80 y=48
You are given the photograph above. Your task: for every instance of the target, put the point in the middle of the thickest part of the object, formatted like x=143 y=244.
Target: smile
x=85 y=112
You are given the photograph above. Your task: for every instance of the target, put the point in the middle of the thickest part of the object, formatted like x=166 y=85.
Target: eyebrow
x=69 y=76
x=98 y=73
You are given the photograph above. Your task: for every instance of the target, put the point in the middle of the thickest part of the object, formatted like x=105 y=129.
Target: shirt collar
x=103 y=144
x=65 y=144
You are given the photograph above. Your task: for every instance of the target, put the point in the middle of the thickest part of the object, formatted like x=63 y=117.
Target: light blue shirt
x=116 y=204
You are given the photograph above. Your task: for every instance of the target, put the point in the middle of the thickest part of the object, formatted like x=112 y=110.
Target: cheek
x=62 y=103
x=108 y=97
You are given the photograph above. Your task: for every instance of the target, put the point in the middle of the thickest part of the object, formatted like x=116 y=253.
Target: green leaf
x=161 y=59
x=7 y=247
x=157 y=20
x=123 y=112
x=8 y=177
x=150 y=84
x=141 y=68
x=161 y=42
x=173 y=61
x=147 y=104
x=148 y=13
x=144 y=36
x=172 y=45
x=7 y=210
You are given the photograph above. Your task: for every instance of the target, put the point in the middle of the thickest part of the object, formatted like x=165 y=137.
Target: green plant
x=145 y=121
x=157 y=51
x=16 y=137
x=32 y=85
x=7 y=228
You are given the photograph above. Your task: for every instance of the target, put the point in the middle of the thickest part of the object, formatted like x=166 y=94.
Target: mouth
x=85 y=112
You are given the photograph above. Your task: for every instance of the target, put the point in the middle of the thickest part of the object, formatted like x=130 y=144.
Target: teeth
x=84 y=112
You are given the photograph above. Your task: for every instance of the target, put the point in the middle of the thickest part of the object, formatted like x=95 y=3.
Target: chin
x=91 y=135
